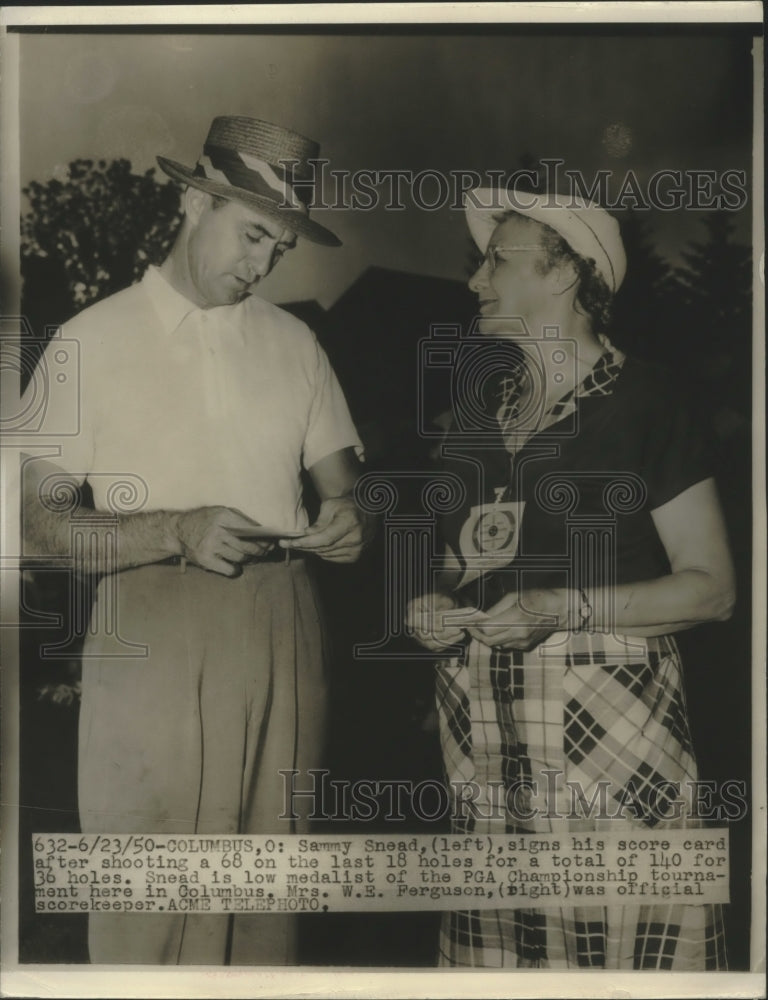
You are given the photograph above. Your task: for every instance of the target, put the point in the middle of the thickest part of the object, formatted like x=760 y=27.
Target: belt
x=275 y=555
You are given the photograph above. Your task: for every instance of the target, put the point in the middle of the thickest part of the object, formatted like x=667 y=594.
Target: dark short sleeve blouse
x=580 y=492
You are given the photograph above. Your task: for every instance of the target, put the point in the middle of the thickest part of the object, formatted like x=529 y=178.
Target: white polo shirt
x=194 y=407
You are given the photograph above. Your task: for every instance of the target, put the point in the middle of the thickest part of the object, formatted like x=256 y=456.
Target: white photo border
x=71 y=981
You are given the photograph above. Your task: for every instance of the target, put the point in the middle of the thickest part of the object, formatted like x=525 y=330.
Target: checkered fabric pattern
x=598 y=382
x=579 y=709
x=583 y=711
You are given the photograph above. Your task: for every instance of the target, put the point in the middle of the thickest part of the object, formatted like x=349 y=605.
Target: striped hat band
x=244 y=170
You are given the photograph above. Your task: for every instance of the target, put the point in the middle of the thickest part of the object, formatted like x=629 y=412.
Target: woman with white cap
x=591 y=532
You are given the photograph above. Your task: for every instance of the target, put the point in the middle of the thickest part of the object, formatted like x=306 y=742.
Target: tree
x=643 y=315
x=715 y=288
x=90 y=232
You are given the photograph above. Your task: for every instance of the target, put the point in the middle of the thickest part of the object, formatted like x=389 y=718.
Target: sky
x=463 y=100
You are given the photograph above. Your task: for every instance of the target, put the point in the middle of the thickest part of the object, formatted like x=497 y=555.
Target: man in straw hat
x=202 y=403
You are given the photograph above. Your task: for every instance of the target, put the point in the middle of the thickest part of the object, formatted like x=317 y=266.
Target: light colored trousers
x=190 y=738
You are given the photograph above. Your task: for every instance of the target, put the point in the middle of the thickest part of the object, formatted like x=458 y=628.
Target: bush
x=90 y=232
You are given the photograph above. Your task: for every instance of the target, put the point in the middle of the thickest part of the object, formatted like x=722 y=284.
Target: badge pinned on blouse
x=489 y=537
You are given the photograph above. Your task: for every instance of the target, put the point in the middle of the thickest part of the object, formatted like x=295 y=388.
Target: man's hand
x=208 y=538
x=426 y=621
x=339 y=534
x=522 y=621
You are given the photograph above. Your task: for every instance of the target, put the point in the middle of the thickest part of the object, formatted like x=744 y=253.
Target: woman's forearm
x=667 y=604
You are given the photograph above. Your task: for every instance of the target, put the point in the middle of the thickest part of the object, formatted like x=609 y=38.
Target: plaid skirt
x=522 y=730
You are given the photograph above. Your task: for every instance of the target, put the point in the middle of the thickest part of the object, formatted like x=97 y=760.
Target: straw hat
x=263 y=165
x=586 y=227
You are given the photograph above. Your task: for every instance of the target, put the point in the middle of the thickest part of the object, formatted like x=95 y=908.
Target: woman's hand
x=522 y=621
x=425 y=620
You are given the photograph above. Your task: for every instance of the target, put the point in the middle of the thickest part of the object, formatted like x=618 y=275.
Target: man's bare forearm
x=96 y=542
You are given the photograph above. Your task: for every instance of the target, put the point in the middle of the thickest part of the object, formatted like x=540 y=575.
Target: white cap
x=586 y=227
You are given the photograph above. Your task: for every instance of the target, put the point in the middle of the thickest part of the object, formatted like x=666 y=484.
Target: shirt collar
x=172 y=307
x=599 y=381
x=600 y=378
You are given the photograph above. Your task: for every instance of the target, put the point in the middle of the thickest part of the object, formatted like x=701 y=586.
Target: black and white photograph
x=383 y=489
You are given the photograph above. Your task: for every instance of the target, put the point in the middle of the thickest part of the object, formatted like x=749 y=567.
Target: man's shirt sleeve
x=329 y=425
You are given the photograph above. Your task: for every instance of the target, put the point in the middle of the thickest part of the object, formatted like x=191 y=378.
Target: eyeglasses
x=494 y=254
